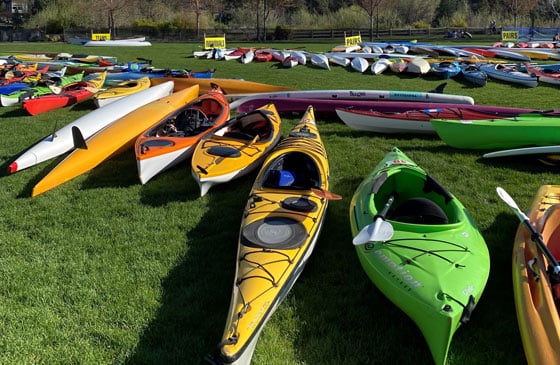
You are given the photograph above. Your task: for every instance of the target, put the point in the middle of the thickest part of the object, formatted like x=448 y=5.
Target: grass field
x=103 y=270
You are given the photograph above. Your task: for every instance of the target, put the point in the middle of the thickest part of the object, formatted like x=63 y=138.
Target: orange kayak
x=537 y=312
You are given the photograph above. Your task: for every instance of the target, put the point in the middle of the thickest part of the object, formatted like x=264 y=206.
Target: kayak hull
x=525 y=130
x=61 y=141
x=537 y=313
x=280 y=228
x=236 y=149
x=435 y=265
x=173 y=138
x=113 y=139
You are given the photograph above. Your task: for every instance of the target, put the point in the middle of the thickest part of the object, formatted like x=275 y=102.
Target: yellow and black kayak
x=281 y=223
x=237 y=148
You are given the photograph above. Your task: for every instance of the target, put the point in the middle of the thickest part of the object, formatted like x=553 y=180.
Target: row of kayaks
x=415 y=240
x=464 y=127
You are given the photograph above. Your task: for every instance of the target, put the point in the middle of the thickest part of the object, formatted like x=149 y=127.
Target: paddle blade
x=378 y=231
x=326 y=194
x=55 y=89
x=512 y=204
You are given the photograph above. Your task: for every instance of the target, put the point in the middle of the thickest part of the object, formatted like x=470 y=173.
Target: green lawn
x=103 y=270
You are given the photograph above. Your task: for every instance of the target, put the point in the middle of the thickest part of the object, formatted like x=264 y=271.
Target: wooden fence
x=244 y=35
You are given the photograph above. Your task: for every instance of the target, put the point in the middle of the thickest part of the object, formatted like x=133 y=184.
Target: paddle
x=378 y=231
x=93 y=90
x=535 y=236
x=326 y=194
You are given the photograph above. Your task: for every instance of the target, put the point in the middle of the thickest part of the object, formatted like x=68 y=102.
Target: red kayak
x=68 y=95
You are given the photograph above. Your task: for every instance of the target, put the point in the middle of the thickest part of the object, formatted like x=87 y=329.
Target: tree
x=520 y=7
x=113 y=6
x=372 y=9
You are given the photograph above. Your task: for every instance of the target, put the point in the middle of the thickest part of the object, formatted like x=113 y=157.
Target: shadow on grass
x=529 y=163
x=195 y=294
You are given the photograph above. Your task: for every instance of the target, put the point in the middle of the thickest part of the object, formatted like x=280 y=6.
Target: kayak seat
x=190 y=120
x=419 y=211
x=260 y=128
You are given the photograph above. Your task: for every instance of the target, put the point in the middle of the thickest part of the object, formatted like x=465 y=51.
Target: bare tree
x=372 y=9
x=113 y=6
x=520 y=7
x=554 y=6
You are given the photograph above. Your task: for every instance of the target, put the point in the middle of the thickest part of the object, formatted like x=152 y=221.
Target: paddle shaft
x=535 y=236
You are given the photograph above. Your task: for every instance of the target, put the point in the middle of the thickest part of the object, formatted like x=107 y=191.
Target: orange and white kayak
x=174 y=138
x=116 y=137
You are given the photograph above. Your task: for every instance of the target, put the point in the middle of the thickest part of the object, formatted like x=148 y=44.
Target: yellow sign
x=100 y=36
x=214 y=42
x=352 y=40
x=510 y=35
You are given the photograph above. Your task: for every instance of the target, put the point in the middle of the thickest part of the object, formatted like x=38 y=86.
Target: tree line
x=263 y=15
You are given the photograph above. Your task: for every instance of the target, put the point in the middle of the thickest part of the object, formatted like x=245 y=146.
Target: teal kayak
x=420 y=247
x=524 y=130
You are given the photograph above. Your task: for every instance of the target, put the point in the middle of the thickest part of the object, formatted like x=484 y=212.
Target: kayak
x=418 y=244
x=536 y=129
x=281 y=224
x=229 y=86
x=510 y=74
x=356 y=95
x=41 y=89
x=173 y=139
x=61 y=140
x=70 y=94
x=327 y=107
x=535 y=296
x=236 y=149
x=125 y=88
x=116 y=137
x=411 y=121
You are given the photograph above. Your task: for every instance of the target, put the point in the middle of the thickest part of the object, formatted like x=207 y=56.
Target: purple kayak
x=327 y=107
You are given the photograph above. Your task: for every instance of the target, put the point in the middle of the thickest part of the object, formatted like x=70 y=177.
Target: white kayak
x=540 y=150
x=62 y=140
x=387 y=95
x=359 y=64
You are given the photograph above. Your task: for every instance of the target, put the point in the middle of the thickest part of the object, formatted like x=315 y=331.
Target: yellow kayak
x=129 y=87
x=237 y=148
x=116 y=137
x=536 y=298
x=281 y=224
x=230 y=86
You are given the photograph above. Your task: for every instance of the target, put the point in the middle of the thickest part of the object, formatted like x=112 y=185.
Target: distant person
x=556 y=37
x=493 y=26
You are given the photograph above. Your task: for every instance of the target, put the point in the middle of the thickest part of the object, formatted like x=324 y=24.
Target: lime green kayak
x=524 y=130
x=420 y=247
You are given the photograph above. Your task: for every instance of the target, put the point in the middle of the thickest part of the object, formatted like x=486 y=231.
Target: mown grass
x=104 y=270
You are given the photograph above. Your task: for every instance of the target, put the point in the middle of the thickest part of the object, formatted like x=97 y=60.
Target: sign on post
x=100 y=36
x=510 y=35
x=214 y=42
x=352 y=40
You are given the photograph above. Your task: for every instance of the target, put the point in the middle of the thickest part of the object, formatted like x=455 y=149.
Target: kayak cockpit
x=418 y=199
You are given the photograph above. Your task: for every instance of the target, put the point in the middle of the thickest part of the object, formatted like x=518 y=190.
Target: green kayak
x=420 y=247
x=524 y=130
x=41 y=89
